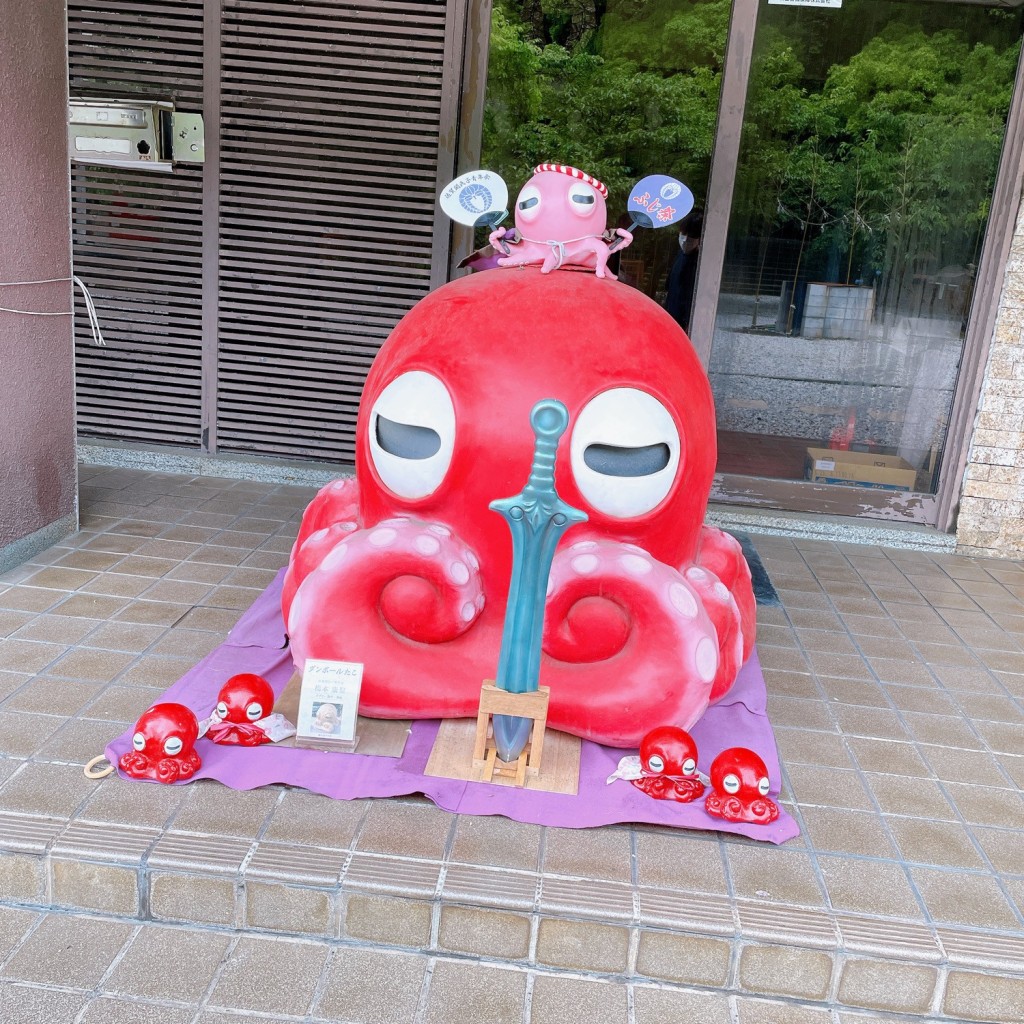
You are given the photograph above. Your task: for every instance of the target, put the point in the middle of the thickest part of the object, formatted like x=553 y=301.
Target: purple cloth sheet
x=257 y=644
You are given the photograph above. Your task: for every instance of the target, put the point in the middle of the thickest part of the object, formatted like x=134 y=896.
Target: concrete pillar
x=38 y=476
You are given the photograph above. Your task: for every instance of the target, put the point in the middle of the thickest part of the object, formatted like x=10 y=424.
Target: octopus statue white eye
x=625 y=452
x=582 y=199
x=412 y=434
x=528 y=205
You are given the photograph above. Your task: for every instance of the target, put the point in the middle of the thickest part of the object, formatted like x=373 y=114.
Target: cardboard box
x=859 y=469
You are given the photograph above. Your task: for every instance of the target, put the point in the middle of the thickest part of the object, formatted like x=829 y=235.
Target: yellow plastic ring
x=90 y=772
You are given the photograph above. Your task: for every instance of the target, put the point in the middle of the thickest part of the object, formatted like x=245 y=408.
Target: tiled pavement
x=897 y=687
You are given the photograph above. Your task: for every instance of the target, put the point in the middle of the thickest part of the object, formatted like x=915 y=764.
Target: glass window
x=870 y=143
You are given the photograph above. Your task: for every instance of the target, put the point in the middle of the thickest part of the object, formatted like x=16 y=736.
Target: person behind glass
x=682 y=275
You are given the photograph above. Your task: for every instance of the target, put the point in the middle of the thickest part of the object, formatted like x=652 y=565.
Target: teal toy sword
x=537 y=517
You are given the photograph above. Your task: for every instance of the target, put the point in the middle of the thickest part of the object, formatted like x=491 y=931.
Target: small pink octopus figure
x=740 y=785
x=560 y=219
x=163 y=746
x=668 y=757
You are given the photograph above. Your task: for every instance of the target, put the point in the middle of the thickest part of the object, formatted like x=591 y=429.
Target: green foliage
x=875 y=149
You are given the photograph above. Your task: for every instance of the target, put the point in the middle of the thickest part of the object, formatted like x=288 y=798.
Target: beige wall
x=991 y=520
x=38 y=484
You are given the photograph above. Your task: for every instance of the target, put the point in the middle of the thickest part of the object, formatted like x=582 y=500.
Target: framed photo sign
x=329 y=704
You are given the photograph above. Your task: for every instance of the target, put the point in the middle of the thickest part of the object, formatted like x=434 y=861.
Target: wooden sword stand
x=495 y=701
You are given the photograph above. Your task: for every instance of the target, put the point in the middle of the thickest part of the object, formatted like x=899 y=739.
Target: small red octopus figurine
x=244 y=700
x=740 y=785
x=668 y=759
x=666 y=767
x=163 y=747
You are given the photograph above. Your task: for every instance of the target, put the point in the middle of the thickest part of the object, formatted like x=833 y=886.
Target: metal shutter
x=329 y=128
x=320 y=257
x=137 y=235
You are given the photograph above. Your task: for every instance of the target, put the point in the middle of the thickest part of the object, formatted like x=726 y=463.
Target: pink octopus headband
x=574 y=172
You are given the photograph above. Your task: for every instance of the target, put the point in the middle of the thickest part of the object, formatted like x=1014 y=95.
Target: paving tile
x=589 y=853
x=878 y=985
x=943 y=843
x=558 y=1000
x=780 y=876
x=47 y=789
x=686 y=959
x=474 y=994
x=91 y=606
x=919 y=798
x=21 y=735
x=761 y=1011
x=671 y=861
x=155 y=671
x=405 y=829
x=815 y=748
x=133 y=637
x=111 y=1010
x=68 y=950
x=833 y=830
x=273 y=976
x=499 y=842
x=985 y=805
x=47 y=696
x=185 y=897
x=393 y=922
x=786 y=971
x=371 y=987
x=217 y=810
x=118 y=801
x=159 y=613
x=13 y=926
x=966 y=899
x=117 y=703
x=314 y=820
x=28 y=655
x=103 y=887
x=659 y=1006
x=28 y=1004
x=984 y=997
x=869 y=887
x=484 y=932
x=889 y=757
x=1003 y=847
x=828 y=787
x=169 y=963
x=582 y=946
x=56 y=629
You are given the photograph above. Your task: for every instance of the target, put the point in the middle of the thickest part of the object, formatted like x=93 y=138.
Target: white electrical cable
x=90 y=306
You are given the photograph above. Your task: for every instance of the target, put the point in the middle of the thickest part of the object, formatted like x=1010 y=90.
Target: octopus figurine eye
x=625 y=451
x=668 y=760
x=163 y=747
x=412 y=434
x=242 y=702
x=740 y=787
x=582 y=199
x=528 y=205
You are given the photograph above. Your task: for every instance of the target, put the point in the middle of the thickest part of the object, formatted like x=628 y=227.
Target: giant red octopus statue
x=649 y=615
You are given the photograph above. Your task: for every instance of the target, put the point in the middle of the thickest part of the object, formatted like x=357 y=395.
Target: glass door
x=870 y=141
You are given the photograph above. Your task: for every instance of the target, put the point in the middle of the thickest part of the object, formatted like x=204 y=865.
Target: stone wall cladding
x=991 y=519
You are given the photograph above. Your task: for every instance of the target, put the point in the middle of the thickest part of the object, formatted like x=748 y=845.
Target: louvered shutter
x=336 y=124
x=331 y=117
x=137 y=235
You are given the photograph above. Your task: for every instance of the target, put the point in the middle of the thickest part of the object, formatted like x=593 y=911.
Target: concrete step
x=489 y=908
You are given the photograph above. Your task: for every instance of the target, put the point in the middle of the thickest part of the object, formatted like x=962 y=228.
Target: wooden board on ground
x=382 y=737
x=452 y=758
